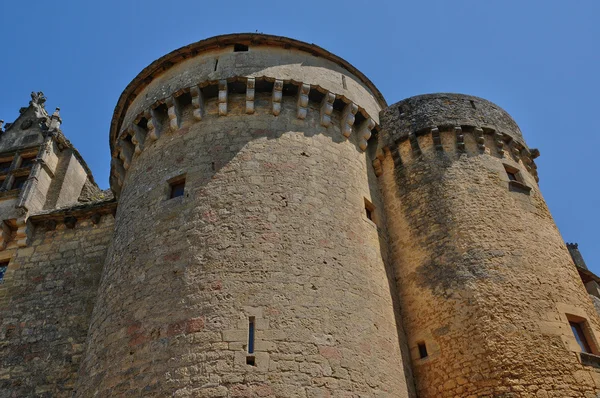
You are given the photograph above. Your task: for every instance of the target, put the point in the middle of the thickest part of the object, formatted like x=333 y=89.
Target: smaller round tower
x=487 y=289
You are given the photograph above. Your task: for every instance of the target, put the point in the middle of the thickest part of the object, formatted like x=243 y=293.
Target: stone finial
x=327 y=109
x=250 y=91
x=364 y=133
x=302 y=102
x=37 y=99
x=1 y=124
x=197 y=102
x=55 y=120
x=222 y=97
x=348 y=119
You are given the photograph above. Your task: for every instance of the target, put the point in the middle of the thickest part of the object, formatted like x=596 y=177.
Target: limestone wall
x=272 y=227
x=46 y=300
x=485 y=279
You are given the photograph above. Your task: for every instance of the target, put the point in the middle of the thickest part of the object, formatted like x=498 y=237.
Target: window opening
x=177 y=188
x=370 y=211
x=251 y=335
x=240 y=47
x=423 y=350
x=577 y=329
x=27 y=162
x=5 y=166
x=512 y=173
x=3 y=268
x=250 y=360
x=19 y=182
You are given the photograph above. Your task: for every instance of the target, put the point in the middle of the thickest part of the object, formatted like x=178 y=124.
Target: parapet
x=442 y=110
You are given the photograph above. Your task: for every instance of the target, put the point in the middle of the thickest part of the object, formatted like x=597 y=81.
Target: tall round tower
x=491 y=303
x=246 y=258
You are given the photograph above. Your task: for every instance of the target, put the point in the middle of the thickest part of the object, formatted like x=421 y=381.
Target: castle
x=274 y=229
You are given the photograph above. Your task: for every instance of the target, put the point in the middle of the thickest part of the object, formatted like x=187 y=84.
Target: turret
x=247 y=257
x=491 y=302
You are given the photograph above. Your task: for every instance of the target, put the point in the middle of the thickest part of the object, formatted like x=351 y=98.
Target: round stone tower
x=489 y=295
x=246 y=259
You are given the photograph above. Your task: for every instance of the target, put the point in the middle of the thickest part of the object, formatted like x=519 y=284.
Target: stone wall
x=272 y=227
x=46 y=300
x=485 y=280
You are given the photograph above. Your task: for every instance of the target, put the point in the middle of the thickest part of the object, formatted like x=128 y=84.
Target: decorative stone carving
x=348 y=119
x=277 y=96
x=250 y=83
x=327 y=109
x=302 y=102
x=222 y=97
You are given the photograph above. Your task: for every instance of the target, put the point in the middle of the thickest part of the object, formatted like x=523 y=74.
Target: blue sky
x=539 y=60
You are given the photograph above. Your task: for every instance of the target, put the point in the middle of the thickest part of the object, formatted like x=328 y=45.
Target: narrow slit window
x=578 y=332
x=422 y=350
x=177 y=188
x=251 y=335
x=3 y=268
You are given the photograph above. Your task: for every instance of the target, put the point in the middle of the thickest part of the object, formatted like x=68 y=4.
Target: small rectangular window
x=250 y=360
x=512 y=173
x=240 y=47
x=177 y=188
x=422 y=350
x=578 y=332
x=370 y=211
x=19 y=182
x=3 y=268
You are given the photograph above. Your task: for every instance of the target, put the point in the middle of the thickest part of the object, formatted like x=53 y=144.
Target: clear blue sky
x=539 y=60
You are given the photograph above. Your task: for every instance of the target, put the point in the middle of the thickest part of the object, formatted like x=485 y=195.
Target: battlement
x=452 y=124
x=240 y=74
